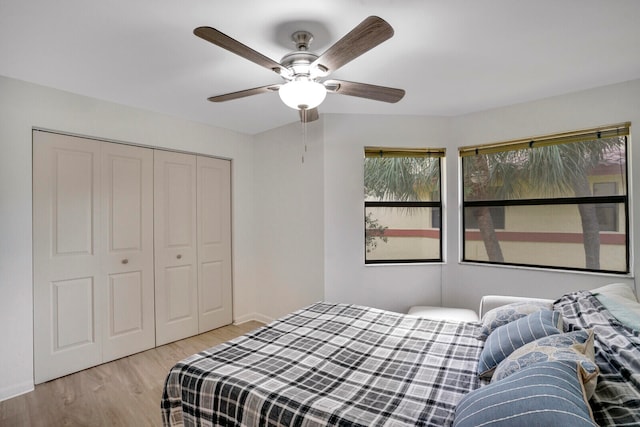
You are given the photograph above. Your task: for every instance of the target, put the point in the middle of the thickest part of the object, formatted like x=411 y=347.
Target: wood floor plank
x=125 y=392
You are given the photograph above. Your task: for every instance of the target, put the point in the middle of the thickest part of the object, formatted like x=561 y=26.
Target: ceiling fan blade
x=364 y=90
x=244 y=93
x=367 y=35
x=307 y=116
x=232 y=45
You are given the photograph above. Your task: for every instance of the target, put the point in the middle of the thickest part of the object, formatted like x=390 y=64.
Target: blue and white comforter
x=616 y=401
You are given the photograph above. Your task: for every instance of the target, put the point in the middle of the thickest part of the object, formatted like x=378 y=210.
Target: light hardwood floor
x=125 y=392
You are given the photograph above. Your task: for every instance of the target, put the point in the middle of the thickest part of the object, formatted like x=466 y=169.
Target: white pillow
x=620 y=289
x=626 y=311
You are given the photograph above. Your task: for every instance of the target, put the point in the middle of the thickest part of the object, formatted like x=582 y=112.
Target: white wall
x=298 y=227
x=24 y=106
x=396 y=287
x=347 y=278
x=289 y=218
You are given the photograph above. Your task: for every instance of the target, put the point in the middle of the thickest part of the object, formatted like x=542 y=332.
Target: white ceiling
x=451 y=56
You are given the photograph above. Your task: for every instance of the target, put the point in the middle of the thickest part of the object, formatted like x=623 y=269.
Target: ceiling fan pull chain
x=304 y=137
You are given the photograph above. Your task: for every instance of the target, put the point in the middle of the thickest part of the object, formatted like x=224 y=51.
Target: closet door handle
x=125 y=261
x=179 y=256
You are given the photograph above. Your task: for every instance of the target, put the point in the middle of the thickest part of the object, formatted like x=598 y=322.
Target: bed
x=348 y=365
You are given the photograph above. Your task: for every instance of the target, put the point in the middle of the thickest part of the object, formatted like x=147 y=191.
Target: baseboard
x=15 y=390
x=252 y=317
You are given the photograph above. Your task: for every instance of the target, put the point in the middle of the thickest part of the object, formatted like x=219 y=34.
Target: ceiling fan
x=305 y=73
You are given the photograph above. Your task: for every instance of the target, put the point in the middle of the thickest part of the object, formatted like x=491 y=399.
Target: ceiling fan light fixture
x=302 y=94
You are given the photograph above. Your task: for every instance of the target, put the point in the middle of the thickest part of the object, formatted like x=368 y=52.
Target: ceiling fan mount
x=304 y=72
x=302 y=39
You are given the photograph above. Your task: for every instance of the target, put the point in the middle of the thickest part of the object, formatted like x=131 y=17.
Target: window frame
x=620 y=130
x=436 y=153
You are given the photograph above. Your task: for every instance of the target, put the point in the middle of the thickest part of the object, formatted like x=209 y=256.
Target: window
x=558 y=201
x=402 y=207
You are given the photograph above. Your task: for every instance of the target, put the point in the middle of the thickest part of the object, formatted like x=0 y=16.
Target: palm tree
x=477 y=185
x=401 y=178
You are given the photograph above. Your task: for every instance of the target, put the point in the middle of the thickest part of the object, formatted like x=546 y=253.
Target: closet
x=131 y=246
x=192 y=244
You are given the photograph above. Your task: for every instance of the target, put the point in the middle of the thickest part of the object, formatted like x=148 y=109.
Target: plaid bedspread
x=616 y=401
x=329 y=364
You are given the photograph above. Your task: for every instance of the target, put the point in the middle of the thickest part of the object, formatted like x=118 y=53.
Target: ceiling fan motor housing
x=299 y=63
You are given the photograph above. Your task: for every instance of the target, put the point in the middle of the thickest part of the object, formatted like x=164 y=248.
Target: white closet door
x=175 y=246
x=214 y=243
x=127 y=239
x=66 y=255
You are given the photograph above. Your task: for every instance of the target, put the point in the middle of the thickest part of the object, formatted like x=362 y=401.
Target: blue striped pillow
x=504 y=314
x=507 y=338
x=544 y=394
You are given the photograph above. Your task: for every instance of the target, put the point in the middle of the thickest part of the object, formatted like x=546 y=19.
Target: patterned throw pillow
x=544 y=394
x=500 y=316
x=574 y=346
x=507 y=338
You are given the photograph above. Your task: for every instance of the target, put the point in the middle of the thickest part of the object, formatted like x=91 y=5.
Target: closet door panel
x=66 y=255
x=127 y=200
x=72 y=313
x=126 y=304
x=211 y=293
x=73 y=210
x=176 y=278
x=214 y=243
x=179 y=295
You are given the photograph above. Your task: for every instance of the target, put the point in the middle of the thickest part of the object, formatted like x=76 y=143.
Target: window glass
x=496 y=213
x=607 y=212
x=560 y=205
x=402 y=206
